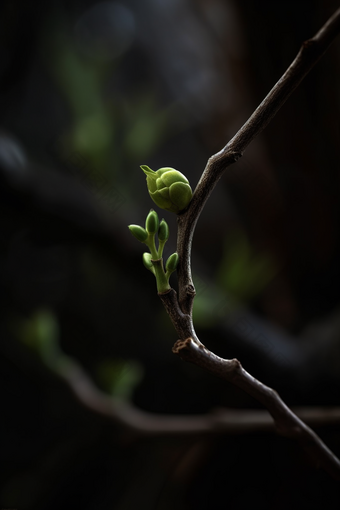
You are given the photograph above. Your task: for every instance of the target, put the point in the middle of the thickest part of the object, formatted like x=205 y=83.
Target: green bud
x=171 y=263
x=163 y=231
x=152 y=222
x=147 y=262
x=168 y=188
x=138 y=232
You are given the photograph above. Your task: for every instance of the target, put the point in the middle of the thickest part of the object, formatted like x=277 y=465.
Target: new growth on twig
x=179 y=308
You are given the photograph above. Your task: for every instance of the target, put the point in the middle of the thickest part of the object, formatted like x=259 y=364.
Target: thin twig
x=311 y=51
x=189 y=347
x=142 y=423
x=286 y=422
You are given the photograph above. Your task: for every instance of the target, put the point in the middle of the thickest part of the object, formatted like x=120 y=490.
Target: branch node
x=308 y=43
x=235 y=155
x=163 y=293
x=181 y=345
x=190 y=291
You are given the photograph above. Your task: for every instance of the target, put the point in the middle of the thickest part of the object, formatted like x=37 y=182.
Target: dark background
x=88 y=92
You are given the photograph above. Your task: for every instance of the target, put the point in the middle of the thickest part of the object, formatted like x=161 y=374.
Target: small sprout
x=147 y=262
x=152 y=222
x=163 y=236
x=171 y=263
x=153 y=261
x=163 y=231
x=139 y=233
x=168 y=188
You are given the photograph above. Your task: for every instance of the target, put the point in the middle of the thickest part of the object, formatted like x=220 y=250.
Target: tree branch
x=311 y=51
x=189 y=347
x=286 y=422
x=141 y=423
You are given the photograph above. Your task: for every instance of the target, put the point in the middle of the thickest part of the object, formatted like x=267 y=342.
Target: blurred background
x=88 y=92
